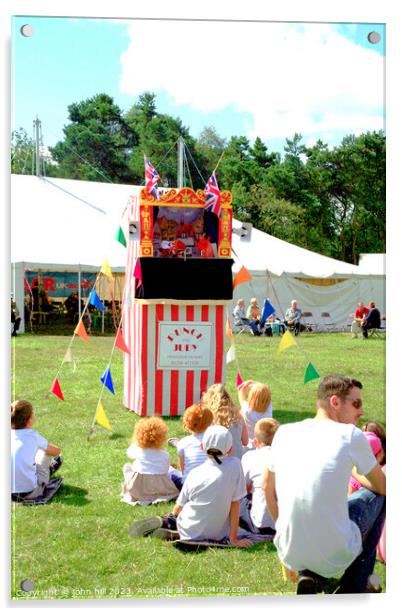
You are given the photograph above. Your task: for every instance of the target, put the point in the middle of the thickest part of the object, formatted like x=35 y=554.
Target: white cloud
x=290 y=77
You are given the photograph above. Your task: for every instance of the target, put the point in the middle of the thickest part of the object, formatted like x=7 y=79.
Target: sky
x=257 y=79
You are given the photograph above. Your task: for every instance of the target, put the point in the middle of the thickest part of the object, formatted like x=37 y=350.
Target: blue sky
x=268 y=79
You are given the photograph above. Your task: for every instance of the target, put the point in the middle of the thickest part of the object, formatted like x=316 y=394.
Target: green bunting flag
x=120 y=237
x=311 y=373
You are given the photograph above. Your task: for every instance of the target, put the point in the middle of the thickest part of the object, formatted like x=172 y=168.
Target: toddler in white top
x=196 y=419
x=148 y=479
x=256 y=403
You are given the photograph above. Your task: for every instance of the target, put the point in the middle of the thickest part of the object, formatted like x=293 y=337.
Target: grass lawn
x=77 y=545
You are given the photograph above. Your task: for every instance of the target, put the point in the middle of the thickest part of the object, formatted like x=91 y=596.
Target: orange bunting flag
x=106 y=269
x=229 y=332
x=120 y=344
x=242 y=276
x=287 y=341
x=101 y=417
x=56 y=389
x=81 y=331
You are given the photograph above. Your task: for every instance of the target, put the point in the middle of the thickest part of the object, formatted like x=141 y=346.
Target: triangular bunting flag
x=229 y=332
x=106 y=269
x=311 y=373
x=138 y=273
x=266 y=312
x=101 y=417
x=95 y=301
x=81 y=331
x=120 y=237
x=56 y=389
x=68 y=358
x=239 y=380
x=106 y=378
x=287 y=341
x=120 y=344
x=231 y=354
x=242 y=276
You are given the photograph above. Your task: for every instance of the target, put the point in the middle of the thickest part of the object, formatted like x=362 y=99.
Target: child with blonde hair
x=149 y=479
x=256 y=403
x=227 y=414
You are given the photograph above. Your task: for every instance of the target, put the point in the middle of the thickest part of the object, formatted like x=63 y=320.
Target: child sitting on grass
x=208 y=505
x=227 y=414
x=256 y=403
x=376 y=448
x=254 y=514
x=33 y=458
x=196 y=419
x=149 y=479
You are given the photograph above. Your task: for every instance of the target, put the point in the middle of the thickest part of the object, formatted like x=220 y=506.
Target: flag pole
x=219 y=161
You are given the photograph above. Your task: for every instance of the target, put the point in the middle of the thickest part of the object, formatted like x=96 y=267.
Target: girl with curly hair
x=227 y=414
x=149 y=479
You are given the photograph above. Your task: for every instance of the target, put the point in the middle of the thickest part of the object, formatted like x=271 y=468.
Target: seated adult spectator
x=254 y=312
x=372 y=320
x=360 y=312
x=240 y=318
x=15 y=318
x=293 y=316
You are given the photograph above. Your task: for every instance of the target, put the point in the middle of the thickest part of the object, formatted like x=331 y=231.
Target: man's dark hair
x=21 y=412
x=336 y=384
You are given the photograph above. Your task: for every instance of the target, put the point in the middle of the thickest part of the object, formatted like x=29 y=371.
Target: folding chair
x=307 y=319
x=241 y=328
x=327 y=321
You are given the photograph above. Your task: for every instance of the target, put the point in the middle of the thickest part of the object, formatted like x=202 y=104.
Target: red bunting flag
x=81 y=331
x=138 y=273
x=56 y=389
x=120 y=344
x=239 y=380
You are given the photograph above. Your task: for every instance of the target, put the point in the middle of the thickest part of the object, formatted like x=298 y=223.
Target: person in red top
x=360 y=313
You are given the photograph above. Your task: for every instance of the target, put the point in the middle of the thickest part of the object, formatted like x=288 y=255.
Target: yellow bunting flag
x=101 y=417
x=81 y=331
x=287 y=341
x=106 y=269
x=229 y=332
x=68 y=358
x=242 y=275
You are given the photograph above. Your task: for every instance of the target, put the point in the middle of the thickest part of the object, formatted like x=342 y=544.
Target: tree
x=22 y=152
x=97 y=142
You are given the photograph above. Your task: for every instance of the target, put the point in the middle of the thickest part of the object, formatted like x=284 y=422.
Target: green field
x=77 y=545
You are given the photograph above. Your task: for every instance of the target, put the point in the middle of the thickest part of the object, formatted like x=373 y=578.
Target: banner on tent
x=59 y=284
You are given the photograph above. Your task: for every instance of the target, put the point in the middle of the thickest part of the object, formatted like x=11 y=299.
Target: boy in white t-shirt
x=254 y=514
x=32 y=460
x=208 y=506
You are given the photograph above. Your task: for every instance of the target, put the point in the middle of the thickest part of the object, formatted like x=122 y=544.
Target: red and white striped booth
x=174 y=312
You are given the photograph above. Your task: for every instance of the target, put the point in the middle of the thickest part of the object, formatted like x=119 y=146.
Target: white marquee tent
x=70 y=225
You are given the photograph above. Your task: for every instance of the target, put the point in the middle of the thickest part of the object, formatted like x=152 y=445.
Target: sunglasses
x=356 y=402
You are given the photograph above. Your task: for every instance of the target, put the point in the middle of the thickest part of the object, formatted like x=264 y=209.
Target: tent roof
x=56 y=222
x=373 y=264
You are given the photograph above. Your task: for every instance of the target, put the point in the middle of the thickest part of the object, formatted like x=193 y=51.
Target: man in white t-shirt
x=208 y=505
x=320 y=532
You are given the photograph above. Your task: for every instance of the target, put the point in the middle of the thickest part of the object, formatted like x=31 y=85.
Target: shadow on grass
x=290 y=416
x=72 y=495
x=116 y=436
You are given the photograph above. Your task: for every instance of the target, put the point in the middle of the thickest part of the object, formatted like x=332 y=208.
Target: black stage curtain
x=190 y=279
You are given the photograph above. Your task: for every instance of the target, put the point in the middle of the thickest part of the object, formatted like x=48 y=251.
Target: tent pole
x=79 y=293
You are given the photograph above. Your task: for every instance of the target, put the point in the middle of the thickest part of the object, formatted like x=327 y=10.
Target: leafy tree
x=97 y=142
x=22 y=152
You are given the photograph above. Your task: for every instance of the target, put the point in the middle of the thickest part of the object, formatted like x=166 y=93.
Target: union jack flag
x=213 y=196
x=151 y=178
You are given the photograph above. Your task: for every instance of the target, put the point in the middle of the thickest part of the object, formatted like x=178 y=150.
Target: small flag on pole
x=151 y=178
x=287 y=341
x=213 y=196
x=81 y=331
x=106 y=379
x=106 y=269
x=231 y=354
x=242 y=276
x=138 y=273
x=266 y=312
x=95 y=300
x=101 y=417
x=120 y=344
x=56 y=389
x=239 y=380
x=311 y=373
x=120 y=237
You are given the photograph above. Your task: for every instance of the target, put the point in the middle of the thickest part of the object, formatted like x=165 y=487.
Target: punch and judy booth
x=178 y=284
